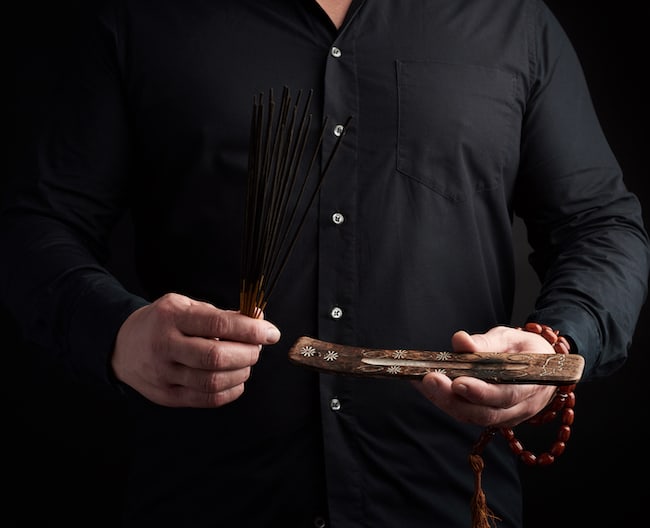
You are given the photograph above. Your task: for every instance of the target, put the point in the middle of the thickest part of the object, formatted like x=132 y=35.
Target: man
x=464 y=114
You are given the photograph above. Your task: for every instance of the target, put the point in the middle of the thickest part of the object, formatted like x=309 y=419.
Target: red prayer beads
x=562 y=404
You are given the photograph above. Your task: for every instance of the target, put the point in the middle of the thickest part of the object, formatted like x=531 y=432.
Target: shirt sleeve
x=69 y=189
x=585 y=228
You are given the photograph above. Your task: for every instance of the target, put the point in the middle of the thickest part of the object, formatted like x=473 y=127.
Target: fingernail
x=272 y=334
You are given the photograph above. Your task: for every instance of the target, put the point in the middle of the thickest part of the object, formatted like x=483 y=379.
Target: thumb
x=461 y=341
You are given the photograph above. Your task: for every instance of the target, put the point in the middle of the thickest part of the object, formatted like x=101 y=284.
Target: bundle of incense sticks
x=278 y=197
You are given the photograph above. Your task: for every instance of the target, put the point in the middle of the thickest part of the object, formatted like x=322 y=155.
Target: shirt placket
x=338 y=219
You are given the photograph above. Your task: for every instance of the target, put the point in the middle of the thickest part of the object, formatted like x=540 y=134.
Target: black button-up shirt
x=464 y=114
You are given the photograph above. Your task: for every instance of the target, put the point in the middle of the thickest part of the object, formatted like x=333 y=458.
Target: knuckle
x=253 y=334
x=219 y=399
x=220 y=325
x=210 y=383
x=212 y=357
x=166 y=303
x=164 y=309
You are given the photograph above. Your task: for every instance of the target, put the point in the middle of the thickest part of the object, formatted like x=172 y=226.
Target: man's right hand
x=179 y=352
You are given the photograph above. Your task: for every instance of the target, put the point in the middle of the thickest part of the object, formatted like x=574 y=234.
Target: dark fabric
x=464 y=113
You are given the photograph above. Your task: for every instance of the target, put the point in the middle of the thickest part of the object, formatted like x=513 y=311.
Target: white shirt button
x=338 y=218
x=336 y=52
x=338 y=130
x=336 y=313
x=335 y=404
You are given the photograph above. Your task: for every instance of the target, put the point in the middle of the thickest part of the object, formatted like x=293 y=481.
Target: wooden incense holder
x=493 y=367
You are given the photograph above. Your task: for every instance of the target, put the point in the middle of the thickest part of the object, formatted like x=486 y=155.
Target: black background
x=63 y=450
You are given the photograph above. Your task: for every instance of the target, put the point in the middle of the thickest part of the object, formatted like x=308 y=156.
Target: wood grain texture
x=494 y=367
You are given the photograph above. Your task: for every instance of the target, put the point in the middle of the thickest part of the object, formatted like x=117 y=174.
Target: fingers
x=461 y=341
x=183 y=353
x=196 y=318
x=175 y=385
x=212 y=354
x=476 y=402
x=185 y=396
x=500 y=339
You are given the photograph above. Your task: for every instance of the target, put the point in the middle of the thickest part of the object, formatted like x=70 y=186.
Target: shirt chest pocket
x=458 y=126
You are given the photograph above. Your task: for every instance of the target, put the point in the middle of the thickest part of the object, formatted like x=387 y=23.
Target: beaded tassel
x=482 y=516
x=561 y=405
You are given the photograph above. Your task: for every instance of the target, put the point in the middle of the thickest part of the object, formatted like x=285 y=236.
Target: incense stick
x=277 y=197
